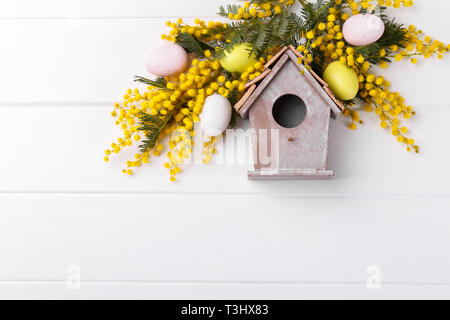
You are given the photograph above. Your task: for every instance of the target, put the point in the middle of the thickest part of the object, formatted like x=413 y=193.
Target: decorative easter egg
x=216 y=115
x=239 y=59
x=363 y=29
x=342 y=80
x=167 y=60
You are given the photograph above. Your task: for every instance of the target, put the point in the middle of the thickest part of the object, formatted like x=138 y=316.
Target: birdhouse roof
x=256 y=86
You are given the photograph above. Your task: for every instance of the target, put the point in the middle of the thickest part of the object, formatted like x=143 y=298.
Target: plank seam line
x=224 y=194
x=102 y=104
x=258 y=283
x=112 y=18
x=216 y=17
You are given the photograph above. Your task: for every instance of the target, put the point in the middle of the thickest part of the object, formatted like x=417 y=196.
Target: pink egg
x=363 y=29
x=167 y=60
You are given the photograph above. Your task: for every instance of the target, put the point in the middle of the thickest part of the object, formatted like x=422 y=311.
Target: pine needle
x=160 y=83
x=193 y=45
x=233 y=97
x=231 y=8
x=152 y=126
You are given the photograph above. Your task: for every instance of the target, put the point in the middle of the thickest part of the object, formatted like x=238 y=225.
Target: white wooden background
x=213 y=234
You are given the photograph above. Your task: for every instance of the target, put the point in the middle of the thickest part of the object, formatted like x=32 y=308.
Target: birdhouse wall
x=302 y=147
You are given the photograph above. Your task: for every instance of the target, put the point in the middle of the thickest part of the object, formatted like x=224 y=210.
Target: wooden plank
x=213 y=234
x=61 y=149
x=422 y=10
x=335 y=100
x=73 y=9
x=219 y=291
x=223 y=238
x=245 y=97
x=94 y=61
x=275 y=58
x=257 y=79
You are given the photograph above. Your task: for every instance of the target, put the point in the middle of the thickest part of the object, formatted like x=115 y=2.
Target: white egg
x=216 y=115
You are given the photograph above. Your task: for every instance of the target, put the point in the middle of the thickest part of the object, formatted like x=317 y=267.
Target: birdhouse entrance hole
x=289 y=111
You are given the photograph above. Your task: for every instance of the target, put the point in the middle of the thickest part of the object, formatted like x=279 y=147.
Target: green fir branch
x=231 y=8
x=152 y=126
x=193 y=45
x=282 y=25
x=160 y=83
x=233 y=120
x=371 y=53
x=394 y=34
x=296 y=29
x=258 y=39
x=267 y=34
x=313 y=13
x=233 y=97
x=237 y=32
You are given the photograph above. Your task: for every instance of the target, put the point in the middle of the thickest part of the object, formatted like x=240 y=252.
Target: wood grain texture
x=94 y=61
x=219 y=238
x=220 y=291
x=75 y=9
x=31 y=9
x=64 y=153
x=214 y=234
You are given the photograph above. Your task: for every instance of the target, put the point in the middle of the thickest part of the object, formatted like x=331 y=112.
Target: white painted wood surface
x=214 y=234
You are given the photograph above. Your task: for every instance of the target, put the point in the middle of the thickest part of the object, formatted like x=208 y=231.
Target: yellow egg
x=239 y=59
x=342 y=80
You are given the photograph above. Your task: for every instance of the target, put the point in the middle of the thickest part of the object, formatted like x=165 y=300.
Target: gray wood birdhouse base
x=290 y=174
x=289 y=112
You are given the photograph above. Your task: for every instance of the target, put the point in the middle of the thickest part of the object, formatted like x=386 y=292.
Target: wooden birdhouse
x=289 y=109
